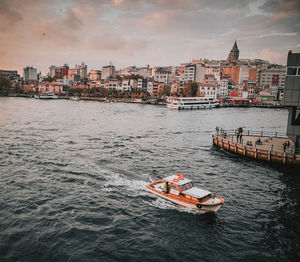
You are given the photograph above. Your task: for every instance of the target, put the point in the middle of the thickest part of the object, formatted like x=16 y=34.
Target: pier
x=259 y=145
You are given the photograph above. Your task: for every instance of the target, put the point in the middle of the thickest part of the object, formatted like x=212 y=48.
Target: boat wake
x=119 y=183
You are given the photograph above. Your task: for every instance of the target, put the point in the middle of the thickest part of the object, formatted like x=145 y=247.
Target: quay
x=260 y=145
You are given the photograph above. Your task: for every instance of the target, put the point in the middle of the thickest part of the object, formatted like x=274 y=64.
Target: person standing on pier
x=240 y=131
x=237 y=136
x=284 y=146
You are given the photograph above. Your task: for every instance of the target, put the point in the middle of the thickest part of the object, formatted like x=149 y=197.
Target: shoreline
x=130 y=101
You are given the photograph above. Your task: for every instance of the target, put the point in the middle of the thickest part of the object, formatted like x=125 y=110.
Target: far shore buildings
x=54 y=87
x=30 y=73
x=252 y=79
x=10 y=74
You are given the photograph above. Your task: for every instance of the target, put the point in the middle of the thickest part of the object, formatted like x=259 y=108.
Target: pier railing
x=262 y=133
x=263 y=140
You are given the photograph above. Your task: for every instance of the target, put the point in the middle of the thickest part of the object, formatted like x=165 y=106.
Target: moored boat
x=75 y=98
x=48 y=95
x=181 y=103
x=182 y=191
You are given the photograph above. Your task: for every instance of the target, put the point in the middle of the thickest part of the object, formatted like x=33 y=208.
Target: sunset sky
x=140 y=32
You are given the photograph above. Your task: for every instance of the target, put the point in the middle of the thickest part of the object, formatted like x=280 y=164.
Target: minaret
x=233 y=56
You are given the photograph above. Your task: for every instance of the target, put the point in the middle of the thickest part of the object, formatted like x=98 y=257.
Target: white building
x=125 y=85
x=208 y=90
x=30 y=73
x=112 y=84
x=54 y=87
x=189 y=73
x=223 y=88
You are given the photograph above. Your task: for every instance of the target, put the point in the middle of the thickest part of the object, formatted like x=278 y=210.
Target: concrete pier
x=271 y=149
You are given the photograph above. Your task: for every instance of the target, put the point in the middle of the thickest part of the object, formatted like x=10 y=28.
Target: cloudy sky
x=140 y=32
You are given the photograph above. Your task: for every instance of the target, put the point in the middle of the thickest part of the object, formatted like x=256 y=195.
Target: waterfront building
x=189 y=73
x=223 y=88
x=113 y=84
x=54 y=87
x=292 y=98
x=10 y=74
x=126 y=84
x=30 y=73
x=208 y=90
x=272 y=75
x=107 y=72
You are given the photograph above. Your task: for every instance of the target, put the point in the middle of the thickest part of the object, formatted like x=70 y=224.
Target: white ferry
x=48 y=95
x=181 y=103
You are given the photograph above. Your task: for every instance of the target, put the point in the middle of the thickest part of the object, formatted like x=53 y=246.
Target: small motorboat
x=182 y=191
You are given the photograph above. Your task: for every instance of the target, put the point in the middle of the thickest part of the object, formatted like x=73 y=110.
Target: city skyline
x=138 y=32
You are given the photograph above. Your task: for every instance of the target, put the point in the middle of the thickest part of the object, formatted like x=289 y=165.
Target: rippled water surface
x=73 y=177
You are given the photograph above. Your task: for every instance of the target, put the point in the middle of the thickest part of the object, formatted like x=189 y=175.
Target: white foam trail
x=135 y=187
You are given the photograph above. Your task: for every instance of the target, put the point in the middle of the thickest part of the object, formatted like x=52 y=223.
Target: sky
x=41 y=33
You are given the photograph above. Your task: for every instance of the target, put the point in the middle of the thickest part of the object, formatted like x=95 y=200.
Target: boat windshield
x=187 y=186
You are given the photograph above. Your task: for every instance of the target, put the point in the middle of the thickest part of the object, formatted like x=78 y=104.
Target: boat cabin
x=185 y=187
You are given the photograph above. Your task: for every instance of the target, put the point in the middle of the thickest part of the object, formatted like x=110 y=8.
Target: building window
x=291 y=71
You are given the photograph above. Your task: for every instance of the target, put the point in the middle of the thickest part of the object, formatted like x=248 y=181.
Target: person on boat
x=167 y=187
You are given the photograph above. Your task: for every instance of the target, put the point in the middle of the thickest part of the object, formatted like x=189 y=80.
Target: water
x=73 y=177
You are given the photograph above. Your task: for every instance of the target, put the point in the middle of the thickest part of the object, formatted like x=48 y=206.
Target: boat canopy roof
x=197 y=192
x=180 y=182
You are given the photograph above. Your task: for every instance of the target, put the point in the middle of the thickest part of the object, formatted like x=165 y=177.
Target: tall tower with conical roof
x=233 y=56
